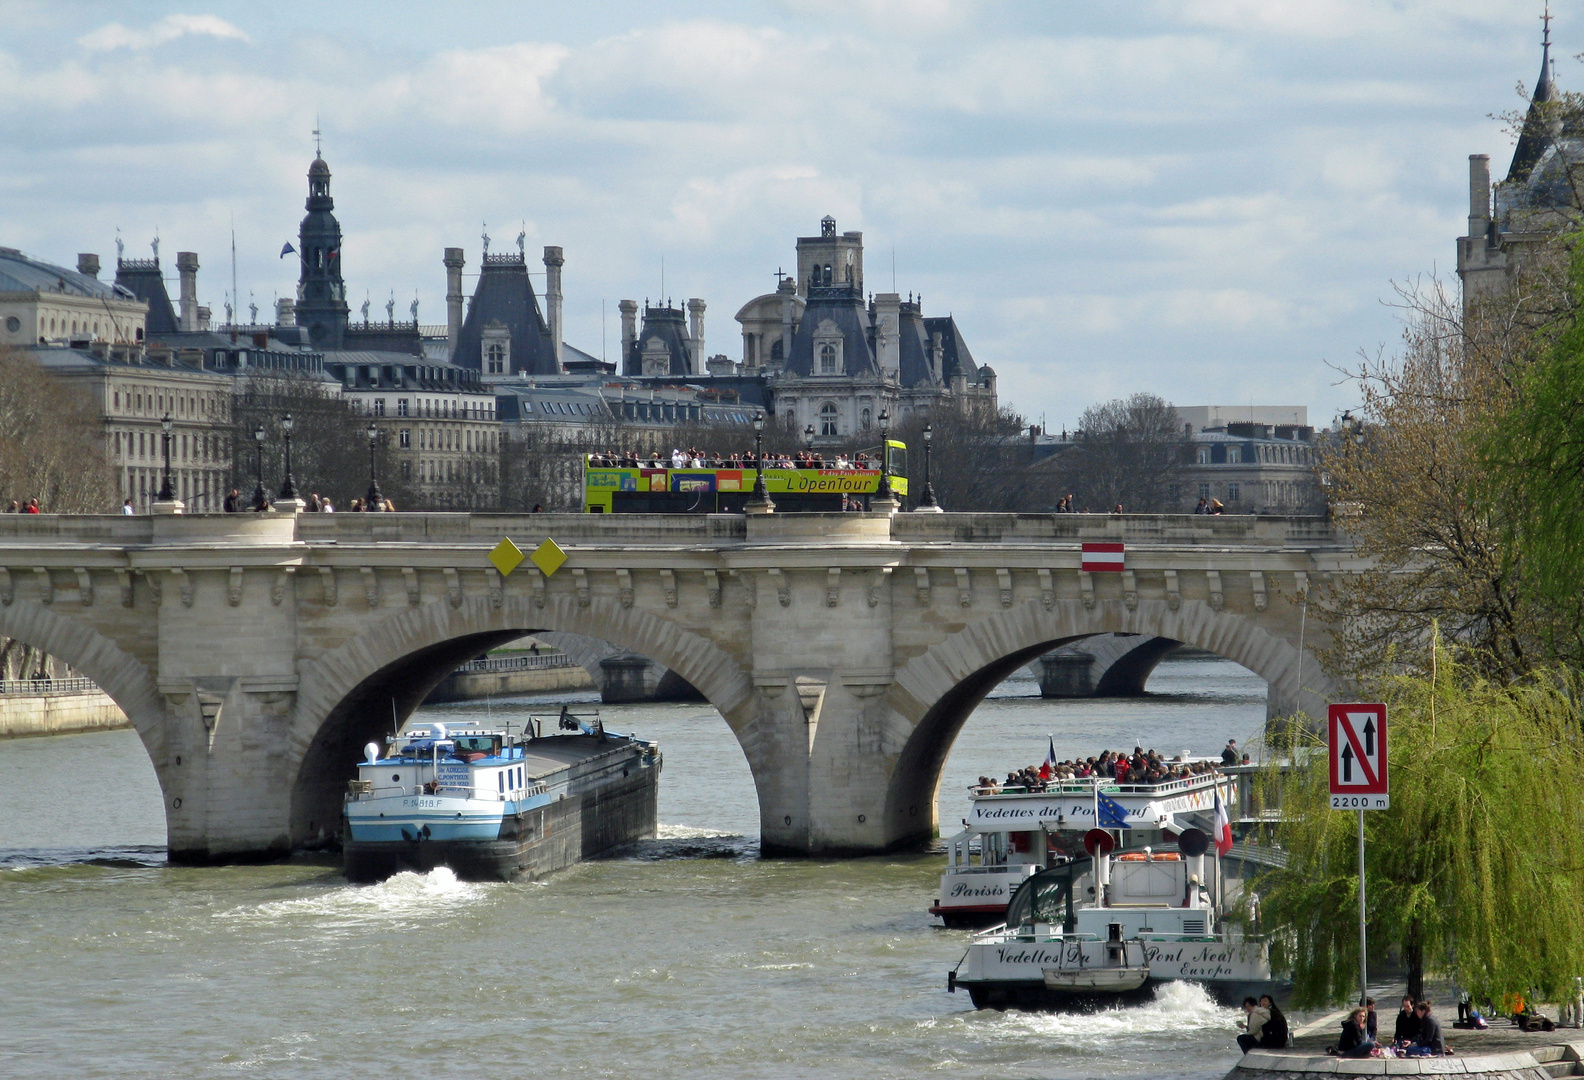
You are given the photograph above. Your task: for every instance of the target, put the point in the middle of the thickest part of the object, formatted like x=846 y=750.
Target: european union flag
x=1113 y=815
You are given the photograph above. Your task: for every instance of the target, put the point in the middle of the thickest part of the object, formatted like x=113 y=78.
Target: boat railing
x=1107 y=785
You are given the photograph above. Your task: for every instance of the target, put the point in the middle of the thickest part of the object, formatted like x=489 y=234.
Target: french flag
x=1102 y=557
x=1050 y=755
x=1223 y=827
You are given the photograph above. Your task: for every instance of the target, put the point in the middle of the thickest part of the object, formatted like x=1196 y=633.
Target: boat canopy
x=1047 y=897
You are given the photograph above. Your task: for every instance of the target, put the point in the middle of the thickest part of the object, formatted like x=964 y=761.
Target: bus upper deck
x=806 y=483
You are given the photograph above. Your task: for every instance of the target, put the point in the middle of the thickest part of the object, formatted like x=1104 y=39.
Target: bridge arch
x=345 y=695
x=123 y=678
x=936 y=691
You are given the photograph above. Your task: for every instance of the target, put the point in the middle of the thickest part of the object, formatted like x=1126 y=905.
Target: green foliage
x=1477 y=870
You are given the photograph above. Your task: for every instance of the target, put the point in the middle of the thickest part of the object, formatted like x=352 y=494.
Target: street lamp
x=928 y=501
x=808 y=437
x=885 y=457
x=374 y=500
x=289 y=487
x=260 y=499
x=761 y=502
x=166 y=492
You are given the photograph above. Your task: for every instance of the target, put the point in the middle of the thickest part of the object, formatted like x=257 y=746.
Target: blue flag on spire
x=286 y=250
x=1113 y=815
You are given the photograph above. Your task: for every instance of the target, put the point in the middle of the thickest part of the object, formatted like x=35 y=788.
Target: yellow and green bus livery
x=645 y=490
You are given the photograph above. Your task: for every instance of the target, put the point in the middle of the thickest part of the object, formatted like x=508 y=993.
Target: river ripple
x=689 y=957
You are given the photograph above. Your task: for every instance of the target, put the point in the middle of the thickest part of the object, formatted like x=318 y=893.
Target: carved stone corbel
x=1257 y=579
x=668 y=586
x=453 y=582
x=1130 y=590
x=624 y=588
x=783 y=587
x=1004 y=583
x=712 y=587
x=537 y=585
x=370 y=586
x=1047 y=589
x=327 y=585
x=46 y=586
x=234 y=587
x=833 y=586
x=1301 y=587
x=410 y=579
x=876 y=584
x=1173 y=590
x=497 y=585
x=156 y=588
x=964 y=589
x=8 y=590
x=124 y=582
x=184 y=584
x=1217 y=597
x=921 y=583
x=84 y=587
x=283 y=579
x=580 y=583
x=1086 y=588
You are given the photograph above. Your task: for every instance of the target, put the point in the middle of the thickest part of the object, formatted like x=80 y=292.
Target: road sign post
x=1359 y=782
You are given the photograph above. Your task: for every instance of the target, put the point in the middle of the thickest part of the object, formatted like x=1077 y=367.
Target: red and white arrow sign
x=1358 y=756
x=1102 y=557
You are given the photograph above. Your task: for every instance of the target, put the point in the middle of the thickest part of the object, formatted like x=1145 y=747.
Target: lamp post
x=885 y=492
x=374 y=500
x=260 y=499
x=166 y=492
x=289 y=486
x=808 y=437
x=928 y=503
x=761 y=502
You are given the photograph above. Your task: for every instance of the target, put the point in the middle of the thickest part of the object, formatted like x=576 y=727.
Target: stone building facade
x=43 y=304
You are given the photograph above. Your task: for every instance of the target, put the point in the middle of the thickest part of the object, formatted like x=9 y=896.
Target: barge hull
x=616 y=811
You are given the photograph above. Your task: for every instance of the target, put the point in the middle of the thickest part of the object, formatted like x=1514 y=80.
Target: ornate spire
x=1534 y=138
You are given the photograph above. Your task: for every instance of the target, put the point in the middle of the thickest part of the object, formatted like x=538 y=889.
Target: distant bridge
x=256 y=654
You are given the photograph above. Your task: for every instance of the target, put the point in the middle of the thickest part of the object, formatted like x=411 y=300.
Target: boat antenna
x=395 y=720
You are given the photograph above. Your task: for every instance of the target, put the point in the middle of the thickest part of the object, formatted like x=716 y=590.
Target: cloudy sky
x=1207 y=199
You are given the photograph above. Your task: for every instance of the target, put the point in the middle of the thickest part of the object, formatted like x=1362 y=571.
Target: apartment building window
x=379 y=406
x=1232 y=493
x=406 y=468
x=1173 y=492
x=401 y=406
x=404 y=438
x=1204 y=455
x=1204 y=491
x=828 y=419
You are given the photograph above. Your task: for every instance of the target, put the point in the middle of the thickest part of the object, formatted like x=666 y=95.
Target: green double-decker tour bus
x=659 y=489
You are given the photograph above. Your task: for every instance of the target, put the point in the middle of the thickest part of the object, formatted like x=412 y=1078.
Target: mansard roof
x=955 y=357
x=20 y=274
x=669 y=326
x=143 y=279
x=505 y=295
x=842 y=306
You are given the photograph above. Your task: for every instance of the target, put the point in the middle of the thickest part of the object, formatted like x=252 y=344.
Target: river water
x=689 y=957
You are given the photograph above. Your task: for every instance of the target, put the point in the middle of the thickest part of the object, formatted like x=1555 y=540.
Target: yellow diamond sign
x=506 y=556
x=548 y=557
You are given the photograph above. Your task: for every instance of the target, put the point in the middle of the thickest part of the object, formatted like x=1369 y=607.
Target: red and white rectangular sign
x=1358 y=757
x=1102 y=557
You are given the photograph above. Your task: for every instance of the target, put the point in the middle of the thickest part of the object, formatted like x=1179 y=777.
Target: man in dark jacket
x=1429 y=1030
x=1229 y=756
x=1407 y=1029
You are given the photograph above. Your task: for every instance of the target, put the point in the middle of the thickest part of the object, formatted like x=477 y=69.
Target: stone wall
x=57 y=714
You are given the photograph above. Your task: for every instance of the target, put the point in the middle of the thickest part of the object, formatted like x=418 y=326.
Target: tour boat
x=492 y=805
x=1108 y=929
x=1011 y=834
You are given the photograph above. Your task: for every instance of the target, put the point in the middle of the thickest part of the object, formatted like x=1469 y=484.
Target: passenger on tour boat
x=1140 y=767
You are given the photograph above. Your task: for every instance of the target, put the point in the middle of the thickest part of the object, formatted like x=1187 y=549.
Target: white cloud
x=116 y=36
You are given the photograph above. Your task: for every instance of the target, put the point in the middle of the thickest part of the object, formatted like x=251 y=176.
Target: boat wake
x=398 y=899
x=1178 y=1009
x=689 y=842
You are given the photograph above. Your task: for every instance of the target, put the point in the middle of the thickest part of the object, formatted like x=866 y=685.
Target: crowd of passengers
x=1140 y=767
x=694 y=458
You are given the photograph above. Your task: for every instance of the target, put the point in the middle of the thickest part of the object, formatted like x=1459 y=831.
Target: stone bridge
x=255 y=655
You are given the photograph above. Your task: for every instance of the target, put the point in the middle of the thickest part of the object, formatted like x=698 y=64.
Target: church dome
x=318 y=168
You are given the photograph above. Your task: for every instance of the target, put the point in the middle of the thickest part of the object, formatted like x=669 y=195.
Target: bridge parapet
x=1174 y=529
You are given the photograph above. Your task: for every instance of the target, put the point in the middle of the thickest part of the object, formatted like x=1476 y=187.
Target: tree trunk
x=1413 y=957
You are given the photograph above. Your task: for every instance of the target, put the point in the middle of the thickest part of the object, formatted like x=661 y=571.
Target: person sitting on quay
x=1406 y=1031
x=1254 y=1020
x=1354 y=1041
x=1276 y=1032
x=1429 y=1037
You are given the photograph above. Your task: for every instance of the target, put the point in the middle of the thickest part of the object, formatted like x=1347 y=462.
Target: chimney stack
x=204 y=315
x=187 y=265
x=285 y=311
x=88 y=265
x=629 y=317
x=695 y=308
x=453 y=264
x=888 y=333
x=788 y=290
x=553 y=263
x=1479 y=194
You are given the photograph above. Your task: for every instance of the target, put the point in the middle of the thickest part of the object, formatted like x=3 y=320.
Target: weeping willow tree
x=1476 y=872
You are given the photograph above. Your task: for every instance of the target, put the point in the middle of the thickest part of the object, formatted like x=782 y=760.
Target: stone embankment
x=55 y=707
x=1487 y=1059
x=503 y=676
